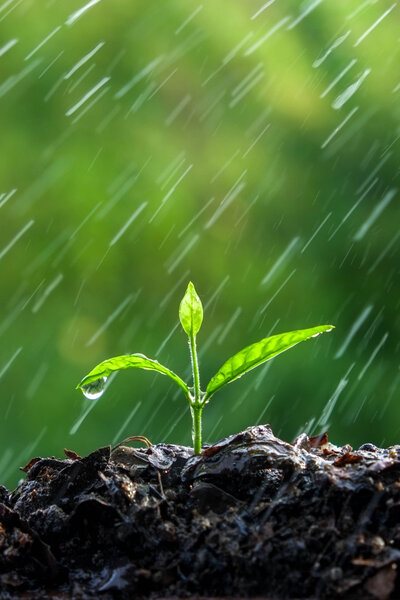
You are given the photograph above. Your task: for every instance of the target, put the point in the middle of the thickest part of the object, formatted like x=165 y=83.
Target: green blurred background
x=250 y=146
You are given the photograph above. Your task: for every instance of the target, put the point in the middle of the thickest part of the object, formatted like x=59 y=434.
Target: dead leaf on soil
x=319 y=440
x=71 y=454
x=347 y=459
x=30 y=464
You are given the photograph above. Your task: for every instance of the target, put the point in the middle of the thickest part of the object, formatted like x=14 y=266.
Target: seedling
x=191 y=317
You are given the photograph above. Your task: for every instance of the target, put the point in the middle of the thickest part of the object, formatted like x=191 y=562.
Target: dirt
x=251 y=516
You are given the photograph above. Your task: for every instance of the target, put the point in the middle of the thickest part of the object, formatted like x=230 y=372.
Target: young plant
x=191 y=317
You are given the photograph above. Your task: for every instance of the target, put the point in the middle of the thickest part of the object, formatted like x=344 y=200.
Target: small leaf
x=127 y=361
x=71 y=454
x=258 y=353
x=319 y=440
x=191 y=311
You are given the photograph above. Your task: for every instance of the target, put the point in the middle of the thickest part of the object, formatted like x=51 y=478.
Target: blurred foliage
x=224 y=126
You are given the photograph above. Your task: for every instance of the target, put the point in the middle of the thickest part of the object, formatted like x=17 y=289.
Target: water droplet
x=94 y=389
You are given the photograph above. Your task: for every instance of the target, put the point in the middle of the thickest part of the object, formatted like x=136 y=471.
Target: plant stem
x=196 y=407
x=196 y=431
x=195 y=369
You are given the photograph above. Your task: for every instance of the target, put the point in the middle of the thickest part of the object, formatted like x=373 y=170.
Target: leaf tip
x=191 y=310
x=323 y=329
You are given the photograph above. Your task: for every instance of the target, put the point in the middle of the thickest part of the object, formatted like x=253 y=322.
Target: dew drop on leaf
x=95 y=389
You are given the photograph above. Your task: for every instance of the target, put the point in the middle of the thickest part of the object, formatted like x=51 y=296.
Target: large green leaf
x=127 y=361
x=258 y=353
x=191 y=311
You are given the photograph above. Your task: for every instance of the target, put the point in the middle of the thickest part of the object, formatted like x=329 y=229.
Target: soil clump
x=250 y=516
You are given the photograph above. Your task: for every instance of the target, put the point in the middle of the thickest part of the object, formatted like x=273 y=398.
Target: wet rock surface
x=251 y=516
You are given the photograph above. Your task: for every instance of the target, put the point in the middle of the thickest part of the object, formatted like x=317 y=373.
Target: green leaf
x=128 y=361
x=258 y=353
x=191 y=311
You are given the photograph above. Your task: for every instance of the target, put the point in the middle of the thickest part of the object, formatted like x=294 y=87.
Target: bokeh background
x=250 y=146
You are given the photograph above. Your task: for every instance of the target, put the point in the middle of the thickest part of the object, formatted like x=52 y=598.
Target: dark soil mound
x=251 y=516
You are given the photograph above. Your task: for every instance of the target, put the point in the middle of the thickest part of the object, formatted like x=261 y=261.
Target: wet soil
x=251 y=516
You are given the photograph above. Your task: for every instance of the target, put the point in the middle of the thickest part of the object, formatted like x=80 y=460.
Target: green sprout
x=191 y=317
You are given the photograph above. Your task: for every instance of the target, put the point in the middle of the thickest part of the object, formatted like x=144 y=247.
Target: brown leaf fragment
x=30 y=464
x=327 y=451
x=71 y=454
x=347 y=459
x=210 y=451
x=319 y=440
x=381 y=584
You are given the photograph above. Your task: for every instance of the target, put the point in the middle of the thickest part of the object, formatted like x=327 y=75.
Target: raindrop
x=15 y=239
x=280 y=260
x=229 y=325
x=227 y=200
x=78 y=13
x=266 y=36
x=86 y=97
x=364 y=35
x=319 y=332
x=315 y=233
x=46 y=39
x=8 y=46
x=260 y=10
x=304 y=13
x=190 y=17
x=379 y=208
x=110 y=319
x=339 y=77
x=83 y=60
x=95 y=389
x=350 y=91
x=264 y=308
x=339 y=127
x=335 y=44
